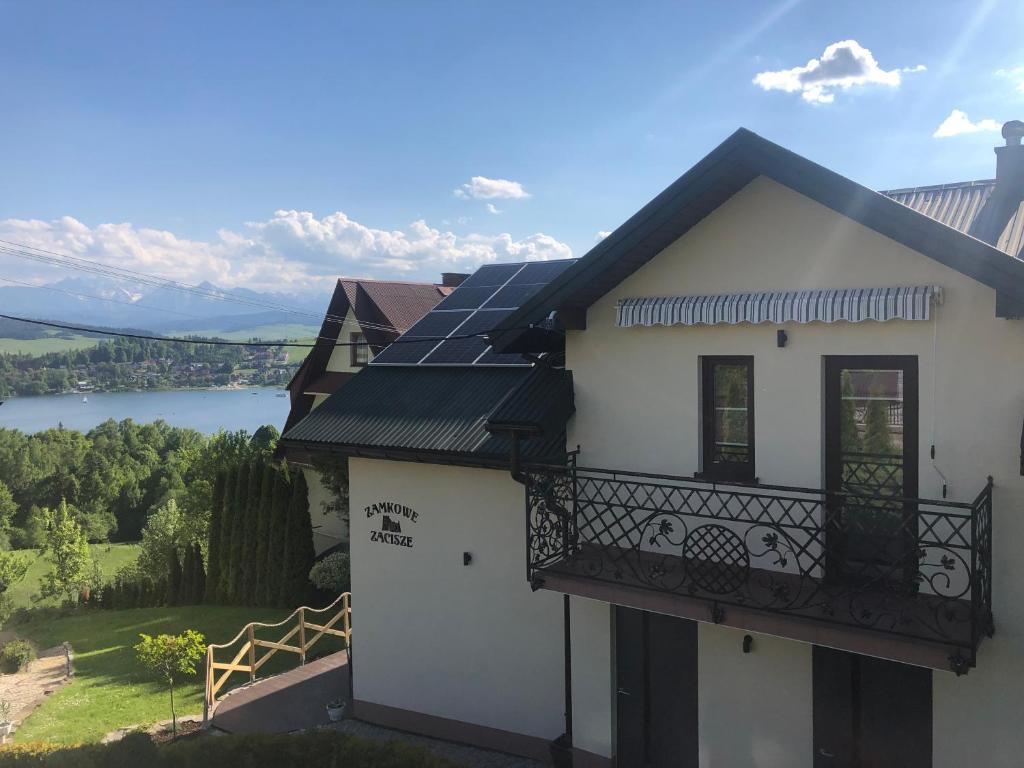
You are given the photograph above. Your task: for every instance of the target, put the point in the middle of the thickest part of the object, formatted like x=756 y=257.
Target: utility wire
x=224 y=343
x=54 y=258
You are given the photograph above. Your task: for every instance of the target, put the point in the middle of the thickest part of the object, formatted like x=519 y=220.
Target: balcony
x=906 y=579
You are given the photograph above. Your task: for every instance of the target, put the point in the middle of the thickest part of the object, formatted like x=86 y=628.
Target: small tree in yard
x=67 y=550
x=171 y=657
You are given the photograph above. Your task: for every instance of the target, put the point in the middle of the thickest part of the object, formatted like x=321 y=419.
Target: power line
x=55 y=258
x=225 y=343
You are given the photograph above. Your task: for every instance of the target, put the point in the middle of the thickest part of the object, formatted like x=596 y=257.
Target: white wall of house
x=341 y=356
x=468 y=643
x=638 y=407
x=754 y=709
x=593 y=676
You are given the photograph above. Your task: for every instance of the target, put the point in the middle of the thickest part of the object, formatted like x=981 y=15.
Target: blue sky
x=171 y=133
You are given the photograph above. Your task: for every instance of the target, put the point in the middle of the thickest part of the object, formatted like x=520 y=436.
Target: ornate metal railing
x=912 y=567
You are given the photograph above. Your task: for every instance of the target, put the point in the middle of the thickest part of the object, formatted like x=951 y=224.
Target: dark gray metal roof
x=440 y=413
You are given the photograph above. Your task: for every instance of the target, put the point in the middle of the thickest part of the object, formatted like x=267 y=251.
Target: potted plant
x=336 y=710
x=5 y=719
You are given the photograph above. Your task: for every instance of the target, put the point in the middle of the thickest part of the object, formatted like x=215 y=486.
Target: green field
x=109 y=556
x=109 y=689
x=49 y=344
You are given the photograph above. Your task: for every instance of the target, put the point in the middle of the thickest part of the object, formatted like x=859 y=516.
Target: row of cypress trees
x=261 y=537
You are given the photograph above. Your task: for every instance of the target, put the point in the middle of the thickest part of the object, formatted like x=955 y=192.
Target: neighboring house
x=363 y=317
x=786 y=529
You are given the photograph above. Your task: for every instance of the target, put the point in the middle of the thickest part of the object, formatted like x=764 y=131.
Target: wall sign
x=392 y=517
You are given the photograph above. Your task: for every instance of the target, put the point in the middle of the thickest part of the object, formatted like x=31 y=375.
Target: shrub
x=332 y=573
x=16 y=656
x=312 y=749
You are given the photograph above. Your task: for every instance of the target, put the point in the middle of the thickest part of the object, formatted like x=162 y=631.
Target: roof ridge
x=358 y=280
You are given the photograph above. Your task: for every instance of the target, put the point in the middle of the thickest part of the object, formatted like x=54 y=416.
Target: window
x=728 y=418
x=360 y=350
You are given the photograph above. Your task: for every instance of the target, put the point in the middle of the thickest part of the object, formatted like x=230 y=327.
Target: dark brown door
x=871 y=466
x=656 y=707
x=870 y=713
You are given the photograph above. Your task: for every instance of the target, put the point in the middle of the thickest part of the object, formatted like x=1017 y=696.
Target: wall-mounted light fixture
x=781 y=337
x=748 y=643
x=467 y=558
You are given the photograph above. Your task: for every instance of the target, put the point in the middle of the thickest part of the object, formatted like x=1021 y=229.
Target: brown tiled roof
x=959 y=205
x=400 y=304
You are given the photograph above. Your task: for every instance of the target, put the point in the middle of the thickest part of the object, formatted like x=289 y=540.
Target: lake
x=206 y=410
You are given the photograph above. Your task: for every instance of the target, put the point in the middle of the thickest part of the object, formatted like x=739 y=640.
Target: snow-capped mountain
x=115 y=303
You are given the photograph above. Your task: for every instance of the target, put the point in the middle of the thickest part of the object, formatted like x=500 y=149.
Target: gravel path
x=27 y=690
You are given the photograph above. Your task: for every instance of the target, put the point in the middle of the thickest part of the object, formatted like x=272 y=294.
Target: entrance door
x=656 y=701
x=870 y=713
x=871 y=459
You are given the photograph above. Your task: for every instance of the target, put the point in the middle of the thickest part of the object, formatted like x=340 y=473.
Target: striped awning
x=853 y=305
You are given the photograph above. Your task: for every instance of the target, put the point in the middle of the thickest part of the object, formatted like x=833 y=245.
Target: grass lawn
x=274 y=332
x=110 y=557
x=109 y=689
x=49 y=344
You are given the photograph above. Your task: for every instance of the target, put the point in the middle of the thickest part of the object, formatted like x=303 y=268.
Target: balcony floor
x=879 y=620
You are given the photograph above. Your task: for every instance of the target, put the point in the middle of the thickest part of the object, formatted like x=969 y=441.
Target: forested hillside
x=115 y=475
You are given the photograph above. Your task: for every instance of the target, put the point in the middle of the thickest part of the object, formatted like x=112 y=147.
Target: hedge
x=312 y=749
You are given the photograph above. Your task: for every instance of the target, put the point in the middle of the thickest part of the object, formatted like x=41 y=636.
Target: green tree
x=8 y=508
x=171 y=657
x=298 y=545
x=238 y=534
x=273 y=587
x=186 y=590
x=249 y=563
x=198 y=575
x=12 y=570
x=266 y=504
x=67 y=551
x=160 y=538
x=849 y=434
x=877 y=435
x=227 y=527
x=216 y=540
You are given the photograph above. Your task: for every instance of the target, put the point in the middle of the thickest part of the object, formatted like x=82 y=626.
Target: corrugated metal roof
x=959 y=205
x=435 y=412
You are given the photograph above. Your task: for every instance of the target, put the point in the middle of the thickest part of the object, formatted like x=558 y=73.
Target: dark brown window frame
x=358 y=341
x=710 y=469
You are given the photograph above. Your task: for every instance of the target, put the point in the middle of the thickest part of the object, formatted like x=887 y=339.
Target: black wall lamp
x=467 y=558
x=781 y=337
x=748 y=641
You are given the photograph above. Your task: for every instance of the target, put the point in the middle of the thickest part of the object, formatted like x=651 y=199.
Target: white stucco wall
x=638 y=407
x=754 y=709
x=593 y=676
x=469 y=643
x=341 y=356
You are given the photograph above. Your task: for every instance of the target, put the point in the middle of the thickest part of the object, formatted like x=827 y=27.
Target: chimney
x=452 y=279
x=1001 y=206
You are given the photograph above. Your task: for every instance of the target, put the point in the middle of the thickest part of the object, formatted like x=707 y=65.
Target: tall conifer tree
x=227 y=524
x=298 y=544
x=238 y=525
x=273 y=587
x=215 y=539
x=263 y=533
x=198 y=575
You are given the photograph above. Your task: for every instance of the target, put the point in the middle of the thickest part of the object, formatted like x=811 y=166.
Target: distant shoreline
x=86 y=393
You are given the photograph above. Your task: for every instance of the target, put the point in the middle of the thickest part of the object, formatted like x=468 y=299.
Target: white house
x=739 y=487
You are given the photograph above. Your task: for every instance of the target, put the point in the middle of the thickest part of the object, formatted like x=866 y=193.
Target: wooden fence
x=248 y=659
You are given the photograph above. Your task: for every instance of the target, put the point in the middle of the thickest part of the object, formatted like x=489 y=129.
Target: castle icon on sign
x=390 y=526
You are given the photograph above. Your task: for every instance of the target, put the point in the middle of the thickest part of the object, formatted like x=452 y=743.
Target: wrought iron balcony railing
x=916 y=568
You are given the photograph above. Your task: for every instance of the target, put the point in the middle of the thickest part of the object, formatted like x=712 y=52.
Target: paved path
x=27 y=690
x=296 y=700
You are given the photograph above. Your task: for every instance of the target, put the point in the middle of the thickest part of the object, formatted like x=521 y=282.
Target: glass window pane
x=731 y=428
x=871 y=431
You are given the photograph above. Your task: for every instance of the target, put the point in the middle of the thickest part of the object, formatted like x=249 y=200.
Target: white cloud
x=291 y=251
x=957 y=124
x=492 y=208
x=482 y=188
x=603 y=234
x=842 y=66
x=1014 y=73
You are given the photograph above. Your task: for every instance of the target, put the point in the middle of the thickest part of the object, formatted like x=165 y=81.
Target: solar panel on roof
x=452 y=331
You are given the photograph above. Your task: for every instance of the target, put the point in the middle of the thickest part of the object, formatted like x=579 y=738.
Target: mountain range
x=98 y=301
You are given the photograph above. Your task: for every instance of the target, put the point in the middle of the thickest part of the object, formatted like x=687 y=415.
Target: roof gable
x=727 y=169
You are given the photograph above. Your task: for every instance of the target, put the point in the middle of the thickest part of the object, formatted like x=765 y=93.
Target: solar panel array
x=477 y=306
